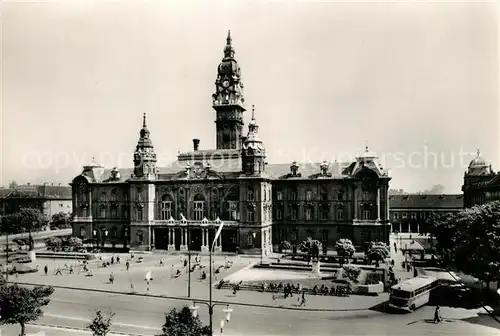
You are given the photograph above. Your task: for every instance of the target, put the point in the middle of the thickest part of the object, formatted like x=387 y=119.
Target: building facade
x=49 y=199
x=481 y=183
x=182 y=205
x=409 y=212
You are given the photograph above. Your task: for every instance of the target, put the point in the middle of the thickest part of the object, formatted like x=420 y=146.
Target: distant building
x=176 y=207
x=49 y=199
x=409 y=212
x=481 y=183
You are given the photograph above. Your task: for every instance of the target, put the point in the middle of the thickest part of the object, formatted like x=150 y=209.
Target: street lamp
x=105 y=232
x=254 y=234
x=227 y=313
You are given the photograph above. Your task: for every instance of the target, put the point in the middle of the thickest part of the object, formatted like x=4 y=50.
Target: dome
x=367 y=154
x=478 y=161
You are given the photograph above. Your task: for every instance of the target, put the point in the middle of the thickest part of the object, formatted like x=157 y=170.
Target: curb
x=199 y=300
x=80 y=329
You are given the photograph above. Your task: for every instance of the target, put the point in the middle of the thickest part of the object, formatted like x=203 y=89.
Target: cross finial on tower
x=144 y=120
x=229 y=40
x=253 y=112
x=366 y=145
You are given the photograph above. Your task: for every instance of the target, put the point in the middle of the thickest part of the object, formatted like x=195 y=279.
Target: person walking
x=46 y=269
x=58 y=271
x=161 y=261
x=127 y=265
x=111 y=278
x=303 y=300
x=437 y=315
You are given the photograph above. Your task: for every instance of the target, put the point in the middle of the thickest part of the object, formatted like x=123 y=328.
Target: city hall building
x=181 y=206
x=481 y=183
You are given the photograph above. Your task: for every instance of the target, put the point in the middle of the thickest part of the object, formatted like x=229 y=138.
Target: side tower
x=253 y=154
x=228 y=101
x=142 y=192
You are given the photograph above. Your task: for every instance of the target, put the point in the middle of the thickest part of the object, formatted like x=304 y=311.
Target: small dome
x=367 y=154
x=93 y=164
x=478 y=161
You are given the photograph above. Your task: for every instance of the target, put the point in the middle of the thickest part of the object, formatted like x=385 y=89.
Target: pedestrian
x=303 y=300
x=437 y=315
x=46 y=269
x=117 y=259
x=161 y=261
x=185 y=262
x=132 y=287
x=111 y=278
x=71 y=269
x=147 y=284
x=112 y=260
x=58 y=271
x=127 y=265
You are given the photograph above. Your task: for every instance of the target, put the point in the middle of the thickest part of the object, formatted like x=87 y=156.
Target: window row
x=309 y=195
x=293 y=214
x=420 y=215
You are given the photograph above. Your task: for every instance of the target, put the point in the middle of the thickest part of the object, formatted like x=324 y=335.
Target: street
x=145 y=316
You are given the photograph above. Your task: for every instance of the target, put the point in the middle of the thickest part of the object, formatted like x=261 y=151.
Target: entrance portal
x=161 y=238
x=196 y=240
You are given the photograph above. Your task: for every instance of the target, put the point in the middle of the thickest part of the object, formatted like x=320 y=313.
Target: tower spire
x=229 y=40
x=366 y=146
x=478 y=152
x=144 y=120
x=253 y=112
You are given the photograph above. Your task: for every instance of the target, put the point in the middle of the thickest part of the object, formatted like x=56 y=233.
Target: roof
x=414 y=283
x=426 y=201
x=37 y=191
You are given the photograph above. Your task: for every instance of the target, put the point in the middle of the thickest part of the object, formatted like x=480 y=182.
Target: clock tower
x=228 y=100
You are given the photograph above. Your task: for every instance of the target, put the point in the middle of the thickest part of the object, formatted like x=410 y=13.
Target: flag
x=219 y=230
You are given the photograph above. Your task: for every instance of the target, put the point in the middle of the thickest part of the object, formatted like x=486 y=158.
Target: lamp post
x=210 y=304
x=95 y=231
x=254 y=234
x=189 y=258
x=227 y=314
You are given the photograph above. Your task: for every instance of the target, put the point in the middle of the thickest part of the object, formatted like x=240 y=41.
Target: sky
x=417 y=82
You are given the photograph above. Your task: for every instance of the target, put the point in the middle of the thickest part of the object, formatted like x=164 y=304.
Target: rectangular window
x=250 y=239
x=340 y=214
x=279 y=195
x=199 y=210
x=395 y=215
x=139 y=214
x=165 y=210
x=413 y=215
x=366 y=214
x=405 y=215
x=308 y=213
x=279 y=214
x=233 y=210
x=125 y=213
x=250 y=216
x=324 y=235
x=340 y=196
x=114 y=213
x=293 y=195
x=309 y=195
x=293 y=236
x=113 y=197
x=324 y=196
x=102 y=212
x=265 y=194
x=294 y=213
x=324 y=213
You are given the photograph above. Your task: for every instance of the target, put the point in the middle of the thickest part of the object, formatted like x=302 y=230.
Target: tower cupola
x=253 y=149
x=228 y=101
x=144 y=155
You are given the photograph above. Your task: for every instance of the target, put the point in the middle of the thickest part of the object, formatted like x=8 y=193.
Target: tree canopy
x=344 y=247
x=472 y=239
x=378 y=251
x=101 y=324
x=182 y=322
x=311 y=246
x=21 y=305
x=61 y=220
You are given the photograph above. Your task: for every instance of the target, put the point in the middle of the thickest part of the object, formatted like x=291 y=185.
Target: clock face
x=225 y=83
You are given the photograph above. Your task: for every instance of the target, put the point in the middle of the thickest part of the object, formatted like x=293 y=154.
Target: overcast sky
x=411 y=79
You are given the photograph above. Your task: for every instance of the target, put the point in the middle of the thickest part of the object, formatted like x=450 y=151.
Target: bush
x=378 y=251
x=351 y=273
x=344 y=247
x=53 y=244
x=285 y=245
x=311 y=246
x=373 y=278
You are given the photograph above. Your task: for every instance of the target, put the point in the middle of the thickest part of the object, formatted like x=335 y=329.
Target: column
x=378 y=203
x=355 y=201
x=202 y=238
x=186 y=236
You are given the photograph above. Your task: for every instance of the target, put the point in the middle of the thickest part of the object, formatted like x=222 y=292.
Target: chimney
x=196 y=144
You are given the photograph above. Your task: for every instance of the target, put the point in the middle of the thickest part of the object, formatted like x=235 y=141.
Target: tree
x=101 y=325
x=311 y=246
x=442 y=228
x=344 y=248
x=74 y=243
x=285 y=245
x=61 y=220
x=31 y=220
x=182 y=322
x=11 y=223
x=378 y=251
x=476 y=248
x=20 y=305
x=53 y=243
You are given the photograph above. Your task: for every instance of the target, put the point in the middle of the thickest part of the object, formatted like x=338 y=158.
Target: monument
x=316 y=268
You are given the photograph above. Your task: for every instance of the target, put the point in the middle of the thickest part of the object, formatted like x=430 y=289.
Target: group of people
x=332 y=291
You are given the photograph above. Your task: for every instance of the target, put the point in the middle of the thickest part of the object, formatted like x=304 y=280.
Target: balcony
x=366 y=222
x=186 y=222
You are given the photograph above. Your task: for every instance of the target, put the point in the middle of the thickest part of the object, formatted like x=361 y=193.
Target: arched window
x=199 y=207
x=166 y=207
x=340 y=214
x=250 y=194
x=113 y=196
x=324 y=212
x=294 y=195
x=102 y=197
x=102 y=211
x=114 y=232
x=231 y=207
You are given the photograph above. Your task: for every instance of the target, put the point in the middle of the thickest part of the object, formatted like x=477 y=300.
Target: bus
x=412 y=293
